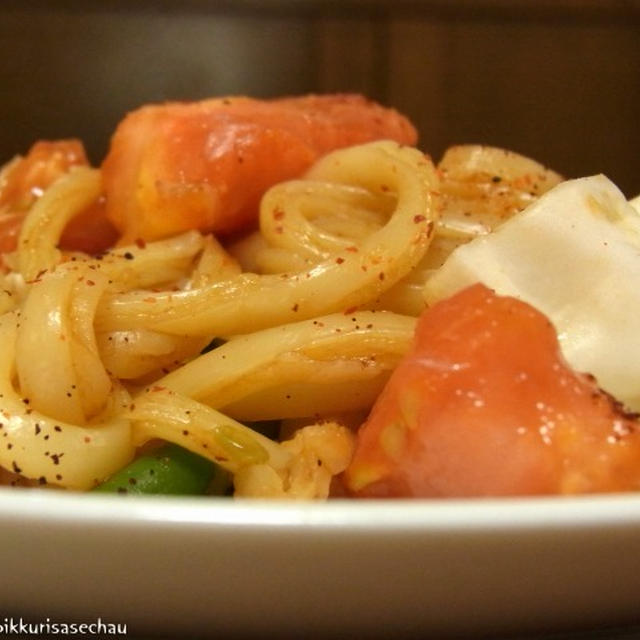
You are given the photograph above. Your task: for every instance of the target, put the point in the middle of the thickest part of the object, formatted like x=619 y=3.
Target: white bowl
x=221 y=567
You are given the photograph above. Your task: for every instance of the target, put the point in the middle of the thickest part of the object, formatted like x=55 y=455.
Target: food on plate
x=218 y=306
x=24 y=179
x=485 y=405
x=573 y=254
x=206 y=164
x=478 y=189
x=167 y=470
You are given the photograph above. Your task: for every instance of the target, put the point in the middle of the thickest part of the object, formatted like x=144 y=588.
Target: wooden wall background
x=558 y=80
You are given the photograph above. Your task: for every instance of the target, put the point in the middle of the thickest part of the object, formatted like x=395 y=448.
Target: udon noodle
x=105 y=354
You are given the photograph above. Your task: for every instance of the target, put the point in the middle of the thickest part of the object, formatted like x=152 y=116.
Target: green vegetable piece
x=240 y=445
x=169 y=470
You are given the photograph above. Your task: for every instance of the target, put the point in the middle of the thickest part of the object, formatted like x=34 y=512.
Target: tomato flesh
x=26 y=179
x=485 y=405
x=205 y=165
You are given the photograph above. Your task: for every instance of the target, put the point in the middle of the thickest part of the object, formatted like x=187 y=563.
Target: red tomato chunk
x=485 y=405
x=205 y=165
x=28 y=177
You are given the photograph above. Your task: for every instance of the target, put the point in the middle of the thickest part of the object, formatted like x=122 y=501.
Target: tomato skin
x=44 y=163
x=204 y=165
x=24 y=180
x=28 y=177
x=10 y=224
x=484 y=405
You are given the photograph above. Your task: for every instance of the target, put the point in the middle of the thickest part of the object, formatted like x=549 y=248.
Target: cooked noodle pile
x=104 y=354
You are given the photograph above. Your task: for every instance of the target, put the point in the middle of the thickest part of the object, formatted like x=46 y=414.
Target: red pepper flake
x=278 y=213
x=148 y=300
x=87 y=439
x=352 y=249
x=419 y=218
x=140 y=243
x=157 y=387
x=350 y=310
x=90 y=283
x=339 y=260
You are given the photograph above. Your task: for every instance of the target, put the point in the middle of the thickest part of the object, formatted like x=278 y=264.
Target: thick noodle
x=52 y=451
x=43 y=226
x=58 y=364
x=346 y=280
x=329 y=364
x=297 y=346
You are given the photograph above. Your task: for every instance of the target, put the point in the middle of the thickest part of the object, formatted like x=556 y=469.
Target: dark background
x=558 y=80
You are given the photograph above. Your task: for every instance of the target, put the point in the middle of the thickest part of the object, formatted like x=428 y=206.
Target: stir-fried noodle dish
x=290 y=298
